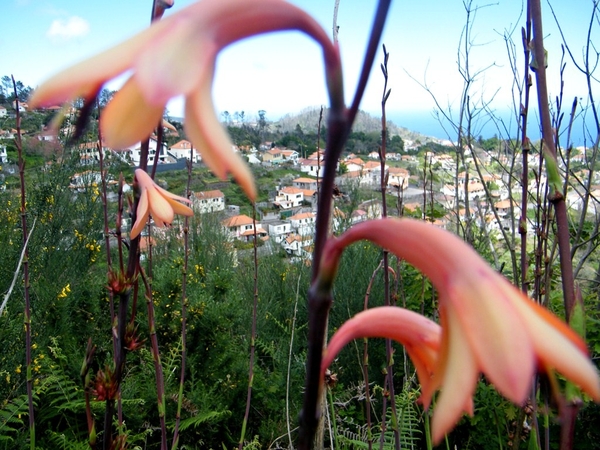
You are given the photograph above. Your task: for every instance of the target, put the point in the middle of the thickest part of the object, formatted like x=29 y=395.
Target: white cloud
x=68 y=28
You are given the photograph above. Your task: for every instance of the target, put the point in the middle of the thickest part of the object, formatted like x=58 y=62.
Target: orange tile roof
x=304 y=180
x=237 y=221
x=215 y=193
x=305 y=215
x=291 y=190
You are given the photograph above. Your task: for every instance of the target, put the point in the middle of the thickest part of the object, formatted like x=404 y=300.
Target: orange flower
x=488 y=325
x=176 y=56
x=156 y=201
x=419 y=335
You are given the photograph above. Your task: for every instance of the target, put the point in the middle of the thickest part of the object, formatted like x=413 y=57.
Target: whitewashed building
x=289 y=197
x=242 y=227
x=279 y=230
x=182 y=149
x=208 y=201
x=132 y=154
x=303 y=223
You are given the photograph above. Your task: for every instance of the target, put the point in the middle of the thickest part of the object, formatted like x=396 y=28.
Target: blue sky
x=283 y=72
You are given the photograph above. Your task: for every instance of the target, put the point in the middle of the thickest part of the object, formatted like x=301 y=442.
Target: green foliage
x=12 y=420
x=353 y=431
x=489 y=427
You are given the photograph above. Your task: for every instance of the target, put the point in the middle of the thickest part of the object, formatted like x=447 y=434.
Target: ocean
x=425 y=122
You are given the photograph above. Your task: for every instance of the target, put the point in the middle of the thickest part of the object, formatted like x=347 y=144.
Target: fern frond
x=202 y=418
x=62 y=441
x=12 y=417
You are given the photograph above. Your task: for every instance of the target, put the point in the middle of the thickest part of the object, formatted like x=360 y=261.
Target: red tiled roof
x=209 y=194
x=306 y=215
x=237 y=221
x=182 y=145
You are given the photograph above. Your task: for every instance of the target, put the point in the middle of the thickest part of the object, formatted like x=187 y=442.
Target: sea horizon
x=425 y=122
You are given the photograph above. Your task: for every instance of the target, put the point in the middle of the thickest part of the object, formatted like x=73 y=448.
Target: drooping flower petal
x=156 y=201
x=160 y=208
x=488 y=313
x=169 y=195
x=564 y=352
x=457 y=373
x=207 y=134
x=128 y=118
x=142 y=214
x=419 y=335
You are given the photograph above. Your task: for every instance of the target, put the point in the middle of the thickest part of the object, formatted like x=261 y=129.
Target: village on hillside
x=288 y=219
x=426 y=184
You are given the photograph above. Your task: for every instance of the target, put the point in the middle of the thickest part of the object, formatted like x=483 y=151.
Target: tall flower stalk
x=386 y=279
x=555 y=184
x=339 y=123
x=27 y=312
x=252 y=332
x=184 y=302
x=572 y=302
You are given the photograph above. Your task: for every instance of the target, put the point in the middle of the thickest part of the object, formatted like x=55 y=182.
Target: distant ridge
x=308 y=119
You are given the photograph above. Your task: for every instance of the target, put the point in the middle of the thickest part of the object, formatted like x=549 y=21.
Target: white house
x=312 y=167
x=132 y=154
x=504 y=208
x=305 y=183
x=358 y=215
x=370 y=173
x=182 y=150
x=474 y=190
x=354 y=164
x=290 y=155
x=398 y=177
x=22 y=106
x=289 y=197
x=208 y=201
x=309 y=188
x=303 y=223
x=88 y=152
x=47 y=135
x=80 y=181
x=447 y=162
x=373 y=208
x=3 y=155
x=242 y=227
x=3 y=111
x=297 y=245
x=279 y=230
